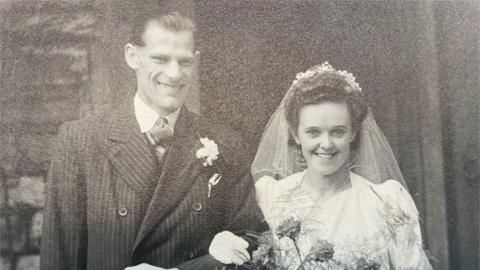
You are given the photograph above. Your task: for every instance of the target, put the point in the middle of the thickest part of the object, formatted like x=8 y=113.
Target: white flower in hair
x=326 y=68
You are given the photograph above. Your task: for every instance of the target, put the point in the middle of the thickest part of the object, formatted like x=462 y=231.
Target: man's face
x=164 y=67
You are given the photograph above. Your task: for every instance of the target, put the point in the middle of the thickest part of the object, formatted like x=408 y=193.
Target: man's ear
x=196 y=57
x=131 y=56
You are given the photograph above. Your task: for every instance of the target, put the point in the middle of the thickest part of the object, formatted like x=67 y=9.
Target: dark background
x=417 y=62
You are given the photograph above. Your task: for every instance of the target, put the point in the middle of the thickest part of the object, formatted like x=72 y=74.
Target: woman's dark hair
x=327 y=87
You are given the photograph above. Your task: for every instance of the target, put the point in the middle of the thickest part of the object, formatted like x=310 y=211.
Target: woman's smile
x=324 y=134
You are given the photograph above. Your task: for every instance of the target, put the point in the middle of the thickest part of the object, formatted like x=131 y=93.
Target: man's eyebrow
x=158 y=56
x=164 y=56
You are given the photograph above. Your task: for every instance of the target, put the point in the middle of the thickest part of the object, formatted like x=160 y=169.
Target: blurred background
x=417 y=62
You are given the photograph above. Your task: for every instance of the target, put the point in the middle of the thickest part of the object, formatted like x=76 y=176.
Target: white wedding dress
x=372 y=226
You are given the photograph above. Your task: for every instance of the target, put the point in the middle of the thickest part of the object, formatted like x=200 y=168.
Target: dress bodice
x=368 y=224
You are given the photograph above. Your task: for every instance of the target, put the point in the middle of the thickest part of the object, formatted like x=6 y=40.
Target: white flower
x=325 y=68
x=209 y=152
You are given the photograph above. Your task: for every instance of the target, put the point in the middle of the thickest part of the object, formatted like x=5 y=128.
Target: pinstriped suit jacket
x=110 y=204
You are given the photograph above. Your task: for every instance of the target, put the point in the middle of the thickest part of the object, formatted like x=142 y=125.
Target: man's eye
x=161 y=60
x=185 y=62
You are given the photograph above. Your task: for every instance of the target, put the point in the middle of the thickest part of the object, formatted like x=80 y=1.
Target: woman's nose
x=324 y=141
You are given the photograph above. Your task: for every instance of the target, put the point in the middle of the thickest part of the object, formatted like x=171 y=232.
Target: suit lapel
x=178 y=174
x=128 y=151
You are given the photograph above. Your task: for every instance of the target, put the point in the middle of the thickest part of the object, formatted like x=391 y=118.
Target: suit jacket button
x=197 y=206
x=122 y=211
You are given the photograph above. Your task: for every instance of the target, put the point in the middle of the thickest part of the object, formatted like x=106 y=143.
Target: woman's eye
x=313 y=132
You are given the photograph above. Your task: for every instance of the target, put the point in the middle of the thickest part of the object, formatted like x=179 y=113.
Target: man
x=149 y=183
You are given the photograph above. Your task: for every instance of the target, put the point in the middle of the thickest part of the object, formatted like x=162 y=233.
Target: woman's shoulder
x=269 y=190
x=390 y=192
x=387 y=188
x=269 y=183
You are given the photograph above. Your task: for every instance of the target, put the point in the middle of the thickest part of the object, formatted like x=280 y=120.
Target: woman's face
x=324 y=134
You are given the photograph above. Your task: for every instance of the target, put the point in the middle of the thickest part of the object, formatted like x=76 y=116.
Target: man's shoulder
x=202 y=122
x=216 y=128
x=230 y=142
x=84 y=130
x=85 y=124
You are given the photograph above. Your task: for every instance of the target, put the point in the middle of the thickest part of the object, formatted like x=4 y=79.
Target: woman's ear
x=131 y=56
x=294 y=136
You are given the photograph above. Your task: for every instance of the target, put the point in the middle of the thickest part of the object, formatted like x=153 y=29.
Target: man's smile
x=171 y=87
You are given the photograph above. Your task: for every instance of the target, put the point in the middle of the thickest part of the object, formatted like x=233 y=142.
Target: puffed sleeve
x=264 y=188
x=401 y=215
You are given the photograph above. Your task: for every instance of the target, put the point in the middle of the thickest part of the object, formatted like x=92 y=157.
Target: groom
x=148 y=182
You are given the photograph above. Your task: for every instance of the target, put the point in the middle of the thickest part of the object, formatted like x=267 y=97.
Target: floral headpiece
x=305 y=82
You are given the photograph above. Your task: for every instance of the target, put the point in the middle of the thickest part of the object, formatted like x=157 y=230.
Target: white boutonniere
x=208 y=154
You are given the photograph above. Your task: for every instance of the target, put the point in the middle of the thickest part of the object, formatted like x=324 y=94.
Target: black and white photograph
x=239 y=134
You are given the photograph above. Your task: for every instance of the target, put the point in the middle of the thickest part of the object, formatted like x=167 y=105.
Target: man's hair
x=172 y=21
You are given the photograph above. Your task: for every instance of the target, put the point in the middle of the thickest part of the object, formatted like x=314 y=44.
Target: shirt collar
x=146 y=116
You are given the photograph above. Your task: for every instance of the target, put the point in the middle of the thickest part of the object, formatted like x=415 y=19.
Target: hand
x=228 y=248
x=146 y=266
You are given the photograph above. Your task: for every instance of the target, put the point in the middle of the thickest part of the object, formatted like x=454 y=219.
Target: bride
x=332 y=160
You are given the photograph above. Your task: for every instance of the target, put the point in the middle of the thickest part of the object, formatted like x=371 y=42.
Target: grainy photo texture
x=207 y=134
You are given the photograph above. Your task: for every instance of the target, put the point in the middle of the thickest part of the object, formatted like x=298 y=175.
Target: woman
x=324 y=140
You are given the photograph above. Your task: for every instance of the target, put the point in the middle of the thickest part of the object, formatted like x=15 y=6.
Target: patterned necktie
x=159 y=135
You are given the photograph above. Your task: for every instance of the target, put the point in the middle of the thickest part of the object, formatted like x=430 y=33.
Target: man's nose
x=173 y=70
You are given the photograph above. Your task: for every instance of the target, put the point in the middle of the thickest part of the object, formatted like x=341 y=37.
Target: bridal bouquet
x=320 y=255
x=263 y=258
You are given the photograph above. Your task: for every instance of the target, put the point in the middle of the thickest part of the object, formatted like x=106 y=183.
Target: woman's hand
x=146 y=266
x=228 y=248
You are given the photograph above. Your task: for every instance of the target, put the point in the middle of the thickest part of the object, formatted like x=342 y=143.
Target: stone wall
x=59 y=60
x=45 y=70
